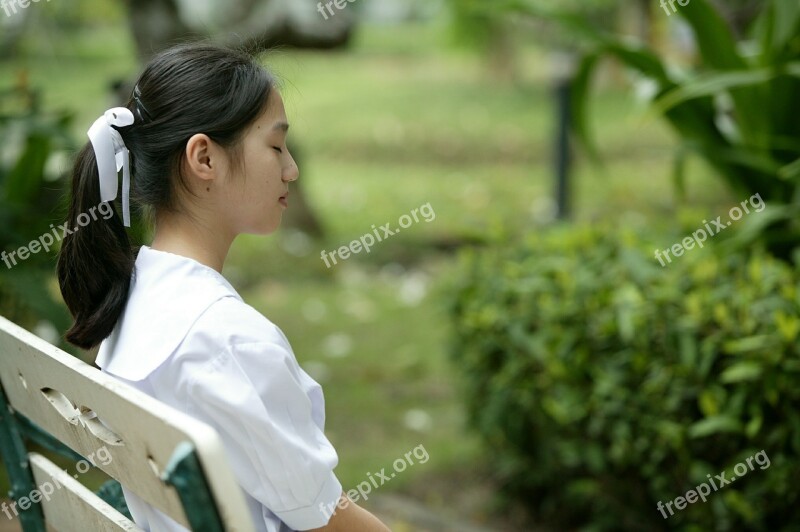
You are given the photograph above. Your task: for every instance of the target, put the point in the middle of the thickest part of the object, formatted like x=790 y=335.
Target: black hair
x=185 y=90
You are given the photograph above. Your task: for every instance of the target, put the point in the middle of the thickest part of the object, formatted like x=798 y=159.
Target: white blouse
x=188 y=339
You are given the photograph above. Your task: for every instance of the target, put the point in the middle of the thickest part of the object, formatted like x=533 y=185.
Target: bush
x=603 y=383
x=35 y=144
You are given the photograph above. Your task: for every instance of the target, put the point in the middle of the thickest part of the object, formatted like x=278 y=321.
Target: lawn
x=401 y=120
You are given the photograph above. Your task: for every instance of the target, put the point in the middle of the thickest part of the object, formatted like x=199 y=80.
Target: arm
x=350 y=517
x=255 y=396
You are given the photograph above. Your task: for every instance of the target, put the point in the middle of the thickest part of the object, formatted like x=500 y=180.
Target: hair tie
x=112 y=155
x=137 y=97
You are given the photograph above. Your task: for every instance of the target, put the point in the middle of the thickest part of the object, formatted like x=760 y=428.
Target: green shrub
x=603 y=383
x=31 y=199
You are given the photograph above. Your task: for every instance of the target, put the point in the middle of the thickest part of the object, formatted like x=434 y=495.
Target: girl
x=206 y=132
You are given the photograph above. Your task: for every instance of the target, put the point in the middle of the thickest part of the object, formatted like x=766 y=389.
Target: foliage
x=31 y=193
x=476 y=23
x=603 y=383
x=736 y=111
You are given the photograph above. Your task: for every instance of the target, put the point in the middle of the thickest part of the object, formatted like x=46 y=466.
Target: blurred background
x=558 y=376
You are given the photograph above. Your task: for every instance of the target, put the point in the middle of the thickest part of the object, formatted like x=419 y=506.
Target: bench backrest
x=172 y=461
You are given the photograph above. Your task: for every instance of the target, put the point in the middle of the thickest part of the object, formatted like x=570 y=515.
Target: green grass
x=398 y=121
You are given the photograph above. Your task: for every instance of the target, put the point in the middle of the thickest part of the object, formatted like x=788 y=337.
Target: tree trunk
x=155 y=25
x=259 y=24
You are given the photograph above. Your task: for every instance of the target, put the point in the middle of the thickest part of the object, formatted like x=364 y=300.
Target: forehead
x=274 y=115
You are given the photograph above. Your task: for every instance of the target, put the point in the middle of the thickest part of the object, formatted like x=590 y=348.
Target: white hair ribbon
x=112 y=155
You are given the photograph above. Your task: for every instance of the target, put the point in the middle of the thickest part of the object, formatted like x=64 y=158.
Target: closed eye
x=277 y=149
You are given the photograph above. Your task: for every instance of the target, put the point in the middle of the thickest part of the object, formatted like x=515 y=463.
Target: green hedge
x=603 y=383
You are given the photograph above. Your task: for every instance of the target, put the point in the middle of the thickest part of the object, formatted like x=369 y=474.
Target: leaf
x=750 y=159
x=714 y=425
x=679 y=171
x=713 y=35
x=745 y=345
x=788 y=326
x=751 y=228
x=25 y=178
x=791 y=171
x=581 y=88
x=29 y=285
x=708 y=403
x=783 y=21
x=718 y=48
x=711 y=84
x=754 y=425
x=741 y=371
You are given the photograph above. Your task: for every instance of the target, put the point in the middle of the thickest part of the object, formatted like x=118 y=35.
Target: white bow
x=112 y=155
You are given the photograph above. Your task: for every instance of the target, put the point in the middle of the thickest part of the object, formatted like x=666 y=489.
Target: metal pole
x=564 y=67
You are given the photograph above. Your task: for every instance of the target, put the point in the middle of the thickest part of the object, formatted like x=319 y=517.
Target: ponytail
x=96 y=260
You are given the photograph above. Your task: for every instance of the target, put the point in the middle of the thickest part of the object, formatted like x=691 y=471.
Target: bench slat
x=62 y=394
x=73 y=507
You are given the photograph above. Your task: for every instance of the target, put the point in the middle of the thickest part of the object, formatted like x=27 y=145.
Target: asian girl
x=202 y=145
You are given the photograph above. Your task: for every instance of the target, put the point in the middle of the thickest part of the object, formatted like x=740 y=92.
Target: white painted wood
x=71 y=507
x=65 y=396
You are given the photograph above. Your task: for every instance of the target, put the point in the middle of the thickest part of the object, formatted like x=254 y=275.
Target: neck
x=180 y=235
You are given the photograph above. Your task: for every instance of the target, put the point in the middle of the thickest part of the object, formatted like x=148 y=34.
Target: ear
x=202 y=157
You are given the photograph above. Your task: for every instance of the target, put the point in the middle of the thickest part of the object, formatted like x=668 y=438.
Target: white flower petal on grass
x=391 y=272
x=337 y=345
x=352 y=275
x=360 y=308
x=317 y=370
x=352 y=197
x=47 y=331
x=418 y=420
x=296 y=243
x=413 y=289
x=543 y=210
x=314 y=310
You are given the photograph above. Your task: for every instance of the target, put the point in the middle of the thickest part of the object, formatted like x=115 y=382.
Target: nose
x=291 y=172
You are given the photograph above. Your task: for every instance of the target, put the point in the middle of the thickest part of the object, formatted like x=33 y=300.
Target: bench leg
x=15 y=458
x=185 y=473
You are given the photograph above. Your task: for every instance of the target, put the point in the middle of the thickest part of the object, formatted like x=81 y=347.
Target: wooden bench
x=56 y=401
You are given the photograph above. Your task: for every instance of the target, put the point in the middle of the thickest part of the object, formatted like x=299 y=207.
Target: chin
x=267 y=227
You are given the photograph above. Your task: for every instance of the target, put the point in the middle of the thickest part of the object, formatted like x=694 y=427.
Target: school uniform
x=188 y=339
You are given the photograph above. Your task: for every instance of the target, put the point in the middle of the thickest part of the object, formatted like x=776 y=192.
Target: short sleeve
x=252 y=394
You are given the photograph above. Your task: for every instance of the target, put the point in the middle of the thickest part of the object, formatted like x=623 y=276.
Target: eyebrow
x=281 y=126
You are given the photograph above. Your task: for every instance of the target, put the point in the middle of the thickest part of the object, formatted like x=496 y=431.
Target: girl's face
x=259 y=185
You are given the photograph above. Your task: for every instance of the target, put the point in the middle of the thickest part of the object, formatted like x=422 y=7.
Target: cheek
x=264 y=167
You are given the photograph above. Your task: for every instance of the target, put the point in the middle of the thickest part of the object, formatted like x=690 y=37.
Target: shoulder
x=232 y=334
x=231 y=322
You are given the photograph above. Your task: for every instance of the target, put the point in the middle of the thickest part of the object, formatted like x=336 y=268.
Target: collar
x=168 y=294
